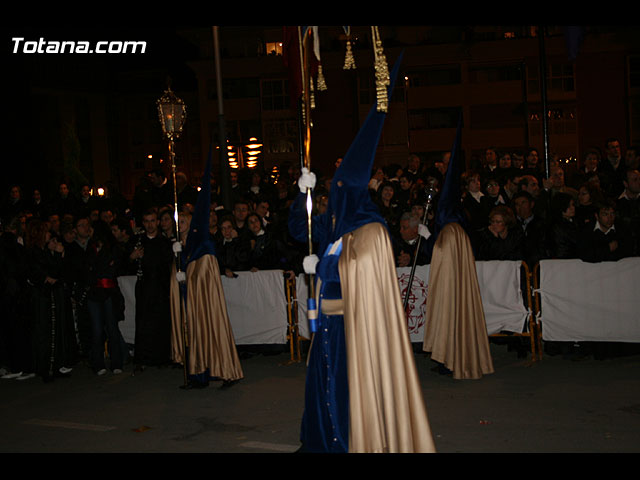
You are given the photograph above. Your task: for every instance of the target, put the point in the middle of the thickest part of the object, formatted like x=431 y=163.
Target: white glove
x=307 y=180
x=181 y=277
x=309 y=264
x=423 y=231
x=177 y=247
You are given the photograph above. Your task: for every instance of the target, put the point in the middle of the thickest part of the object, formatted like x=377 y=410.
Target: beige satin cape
x=210 y=338
x=386 y=407
x=455 y=330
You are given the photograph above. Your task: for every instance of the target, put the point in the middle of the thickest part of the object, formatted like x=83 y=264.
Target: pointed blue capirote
x=449 y=203
x=199 y=241
x=350 y=202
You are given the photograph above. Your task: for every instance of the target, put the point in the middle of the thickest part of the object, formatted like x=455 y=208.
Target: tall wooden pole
x=543 y=98
x=225 y=180
x=305 y=45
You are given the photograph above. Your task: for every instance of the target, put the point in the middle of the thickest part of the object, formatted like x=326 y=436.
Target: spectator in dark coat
x=628 y=207
x=13 y=205
x=232 y=250
x=563 y=237
x=612 y=168
x=533 y=228
x=588 y=196
x=606 y=241
x=387 y=205
x=266 y=252
x=406 y=242
x=472 y=203
x=501 y=239
x=161 y=189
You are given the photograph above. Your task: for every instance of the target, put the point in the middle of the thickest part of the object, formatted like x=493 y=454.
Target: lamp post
x=172 y=113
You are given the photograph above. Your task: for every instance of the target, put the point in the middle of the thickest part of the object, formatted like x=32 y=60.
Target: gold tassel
x=312 y=100
x=382 y=71
x=322 y=84
x=349 y=61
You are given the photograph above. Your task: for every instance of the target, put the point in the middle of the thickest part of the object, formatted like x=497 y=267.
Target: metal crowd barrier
x=293 y=332
x=532 y=326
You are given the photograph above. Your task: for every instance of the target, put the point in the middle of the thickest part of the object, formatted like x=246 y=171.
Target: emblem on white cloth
x=417 y=304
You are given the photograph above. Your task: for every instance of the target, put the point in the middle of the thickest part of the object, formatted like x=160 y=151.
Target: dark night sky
x=80 y=72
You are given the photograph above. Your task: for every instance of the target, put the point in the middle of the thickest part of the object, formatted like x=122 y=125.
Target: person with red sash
x=104 y=301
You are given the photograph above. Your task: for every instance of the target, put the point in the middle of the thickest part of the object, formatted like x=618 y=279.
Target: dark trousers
x=104 y=323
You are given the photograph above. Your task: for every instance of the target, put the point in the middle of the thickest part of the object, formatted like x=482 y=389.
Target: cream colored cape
x=210 y=338
x=386 y=407
x=455 y=330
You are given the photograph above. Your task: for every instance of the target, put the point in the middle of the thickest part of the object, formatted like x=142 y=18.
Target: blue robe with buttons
x=325 y=421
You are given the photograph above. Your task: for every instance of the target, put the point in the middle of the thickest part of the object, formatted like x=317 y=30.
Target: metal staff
x=430 y=193
x=172 y=114
x=183 y=319
x=306 y=109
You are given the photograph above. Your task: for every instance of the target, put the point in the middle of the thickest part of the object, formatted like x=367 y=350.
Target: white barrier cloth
x=499 y=283
x=590 y=301
x=499 y=288
x=257 y=305
x=502 y=298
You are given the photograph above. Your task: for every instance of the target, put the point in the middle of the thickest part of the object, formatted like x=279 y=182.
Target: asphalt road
x=554 y=405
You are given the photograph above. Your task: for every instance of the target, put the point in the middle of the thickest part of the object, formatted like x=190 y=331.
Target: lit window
x=274 y=48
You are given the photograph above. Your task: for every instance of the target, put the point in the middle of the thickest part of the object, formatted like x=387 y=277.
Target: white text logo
x=20 y=45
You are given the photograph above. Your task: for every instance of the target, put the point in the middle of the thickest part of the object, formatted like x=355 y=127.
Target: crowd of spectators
x=514 y=212
x=60 y=257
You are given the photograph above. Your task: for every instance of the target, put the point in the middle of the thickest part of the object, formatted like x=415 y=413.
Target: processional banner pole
x=305 y=45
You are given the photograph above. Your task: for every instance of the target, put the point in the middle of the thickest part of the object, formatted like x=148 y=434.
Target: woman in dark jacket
x=588 y=196
x=265 y=253
x=54 y=347
x=386 y=202
x=472 y=201
x=105 y=301
x=563 y=232
x=501 y=239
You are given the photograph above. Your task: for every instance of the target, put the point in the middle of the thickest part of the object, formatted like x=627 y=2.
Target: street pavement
x=553 y=405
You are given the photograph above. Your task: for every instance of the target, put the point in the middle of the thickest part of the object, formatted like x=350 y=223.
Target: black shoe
x=229 y=383
x=195 y=384
x=442 y=370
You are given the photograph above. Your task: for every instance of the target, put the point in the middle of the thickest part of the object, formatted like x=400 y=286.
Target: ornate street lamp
x=172 y=113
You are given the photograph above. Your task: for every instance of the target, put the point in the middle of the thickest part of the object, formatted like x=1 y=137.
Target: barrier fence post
x=292 y=319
